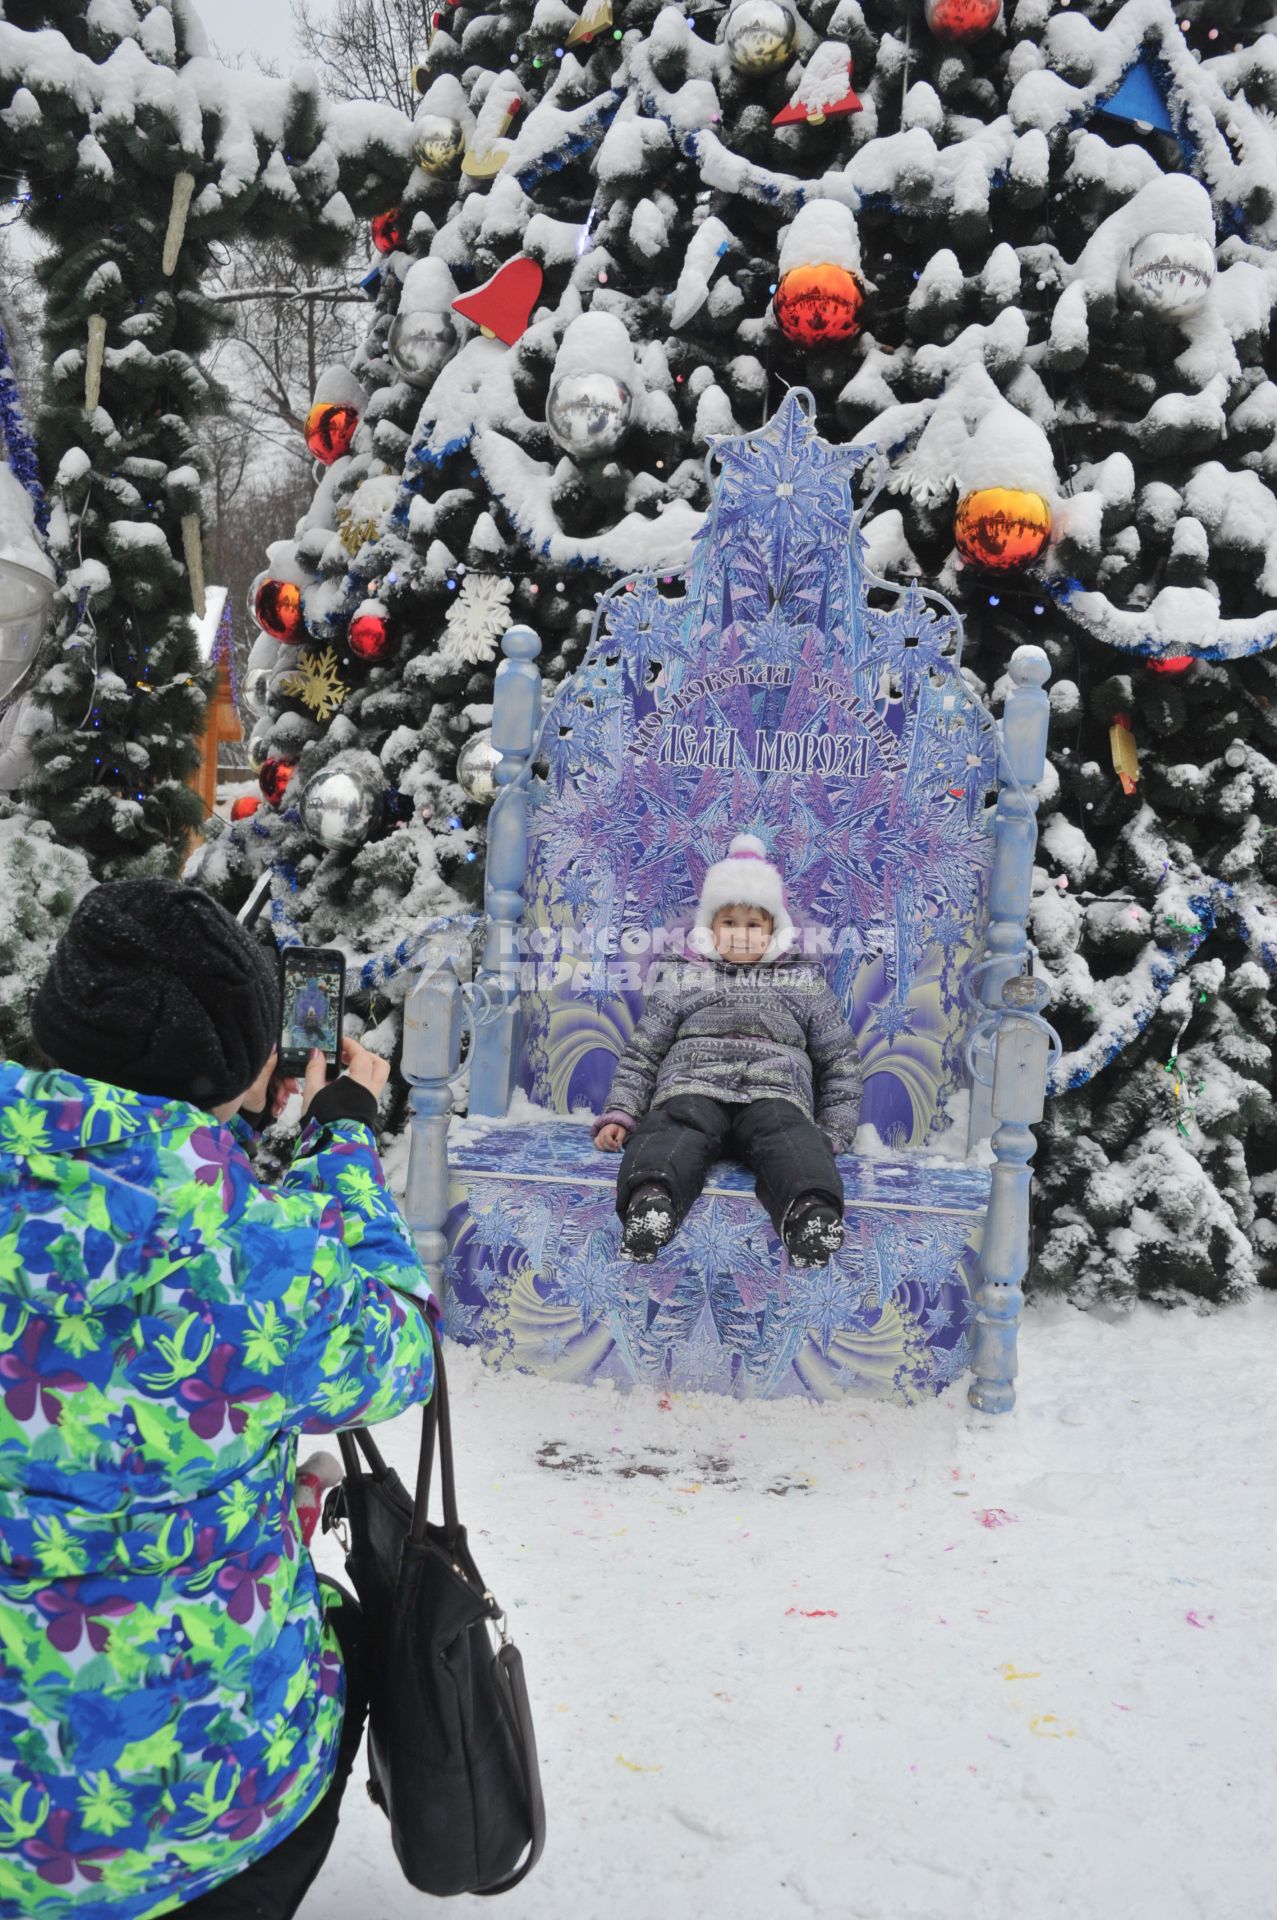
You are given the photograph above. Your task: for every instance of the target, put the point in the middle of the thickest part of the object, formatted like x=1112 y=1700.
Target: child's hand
x=611 y=1138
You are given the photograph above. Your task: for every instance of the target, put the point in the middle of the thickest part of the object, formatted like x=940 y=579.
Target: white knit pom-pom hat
x=746 y=878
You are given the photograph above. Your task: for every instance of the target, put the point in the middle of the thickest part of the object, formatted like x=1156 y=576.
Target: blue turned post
x=516 y=715
x=1023 y=753
x=431 y=1059
x=1022 y=1045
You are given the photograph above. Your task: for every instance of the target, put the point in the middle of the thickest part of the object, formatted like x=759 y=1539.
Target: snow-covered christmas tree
x=373 y=672
x=138 y=150
x=1029 y=252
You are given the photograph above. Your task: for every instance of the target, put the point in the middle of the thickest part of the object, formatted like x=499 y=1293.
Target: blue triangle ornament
x=1140 y=97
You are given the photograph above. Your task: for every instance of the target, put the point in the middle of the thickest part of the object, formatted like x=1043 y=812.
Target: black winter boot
x=813 y=1231
x=649 y=1222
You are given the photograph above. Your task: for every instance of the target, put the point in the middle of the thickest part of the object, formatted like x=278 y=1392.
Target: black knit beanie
x=155 y=987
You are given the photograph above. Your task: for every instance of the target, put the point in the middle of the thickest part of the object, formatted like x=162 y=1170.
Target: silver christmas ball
x=264 y=652
x=259 y=744
x=438 y=142
x=255 y=691
x=476 y=766
x=342 y=804
x=1169 y=273
x=1235 y=756
x=760 y=35
x=420 y=344
x=589 y=414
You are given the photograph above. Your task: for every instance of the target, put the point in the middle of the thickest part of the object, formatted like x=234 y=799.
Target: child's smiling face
x=741 y=933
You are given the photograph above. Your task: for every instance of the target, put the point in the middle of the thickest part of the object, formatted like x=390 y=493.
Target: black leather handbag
x=451 y=1752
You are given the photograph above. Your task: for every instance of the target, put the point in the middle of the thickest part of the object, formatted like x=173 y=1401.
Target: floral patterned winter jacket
x=170 y=1699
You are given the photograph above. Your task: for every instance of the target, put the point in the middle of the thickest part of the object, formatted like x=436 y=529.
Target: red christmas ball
x=387 y=231
x=330 y=428
x=961 y=19
x=370 y=636
x=1172 y=663
x=818 y=306
x=246 y=806
x=274 y=778
x=277 y=609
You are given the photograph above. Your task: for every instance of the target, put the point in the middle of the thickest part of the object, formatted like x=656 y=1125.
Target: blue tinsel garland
x=19 y=446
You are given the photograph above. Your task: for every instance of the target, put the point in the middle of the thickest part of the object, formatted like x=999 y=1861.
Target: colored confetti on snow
x=815 y=1613
x=634 y=1766
x=995 y=1517
x=1193 y=1620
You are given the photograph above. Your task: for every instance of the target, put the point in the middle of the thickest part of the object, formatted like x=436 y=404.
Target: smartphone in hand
x=313 y=1004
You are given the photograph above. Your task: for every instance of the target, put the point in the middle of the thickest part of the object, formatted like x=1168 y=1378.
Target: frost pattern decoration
x=783 y=690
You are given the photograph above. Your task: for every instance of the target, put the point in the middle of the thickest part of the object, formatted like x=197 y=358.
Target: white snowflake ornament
x=477 y=619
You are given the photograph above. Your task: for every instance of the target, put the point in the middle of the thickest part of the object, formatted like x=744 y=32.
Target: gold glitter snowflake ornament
x=317 y=683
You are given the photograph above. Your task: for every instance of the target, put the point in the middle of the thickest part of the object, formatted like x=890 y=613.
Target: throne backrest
x=779 y=688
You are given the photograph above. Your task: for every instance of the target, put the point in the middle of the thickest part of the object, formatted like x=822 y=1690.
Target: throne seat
x=534 y=1277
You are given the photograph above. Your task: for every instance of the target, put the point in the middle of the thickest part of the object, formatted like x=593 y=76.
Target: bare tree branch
x=348 y=296
x=365 y=49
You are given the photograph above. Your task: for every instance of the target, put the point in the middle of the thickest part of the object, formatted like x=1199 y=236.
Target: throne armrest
x=433 y=1021
x=516 y=718
x=1022 y=762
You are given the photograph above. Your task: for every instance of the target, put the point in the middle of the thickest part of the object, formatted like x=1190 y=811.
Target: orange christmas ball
x=961 y=19
x=1001 y=528
x=330 y=428
x=387 y=231
x=370 y=636
x=273 y=778
x=246 y=806
x=277 y=609
x=818 y=306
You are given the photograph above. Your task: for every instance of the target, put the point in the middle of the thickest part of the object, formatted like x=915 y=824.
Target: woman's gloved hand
x=359 y=1068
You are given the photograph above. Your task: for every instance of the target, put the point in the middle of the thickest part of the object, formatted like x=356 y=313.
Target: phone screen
x=312 y=1008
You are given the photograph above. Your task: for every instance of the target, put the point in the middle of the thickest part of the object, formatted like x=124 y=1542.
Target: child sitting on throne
x=742 y=1048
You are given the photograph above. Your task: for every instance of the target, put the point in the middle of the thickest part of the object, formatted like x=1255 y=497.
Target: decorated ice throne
x=780 y=689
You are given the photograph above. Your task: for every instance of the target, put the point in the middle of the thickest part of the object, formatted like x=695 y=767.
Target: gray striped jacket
x=772 y=1030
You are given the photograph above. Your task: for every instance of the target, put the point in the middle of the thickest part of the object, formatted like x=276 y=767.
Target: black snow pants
x=274 y=1887
x=678 y=1142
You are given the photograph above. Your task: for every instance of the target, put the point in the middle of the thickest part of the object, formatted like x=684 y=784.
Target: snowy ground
x=791 y=1660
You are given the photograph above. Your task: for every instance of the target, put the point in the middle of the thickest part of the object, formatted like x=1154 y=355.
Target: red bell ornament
x=387 y=231
x=330 y=428
x=818 y=306
x=246 y=806
x=370 y=636
x=273 y=778
x=502 y=306
x=277 y=609
x=961 y=19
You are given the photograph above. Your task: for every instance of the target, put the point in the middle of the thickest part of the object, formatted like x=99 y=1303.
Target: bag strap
x=436 y=1417
x=514 y=1700
x=350 y=1457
